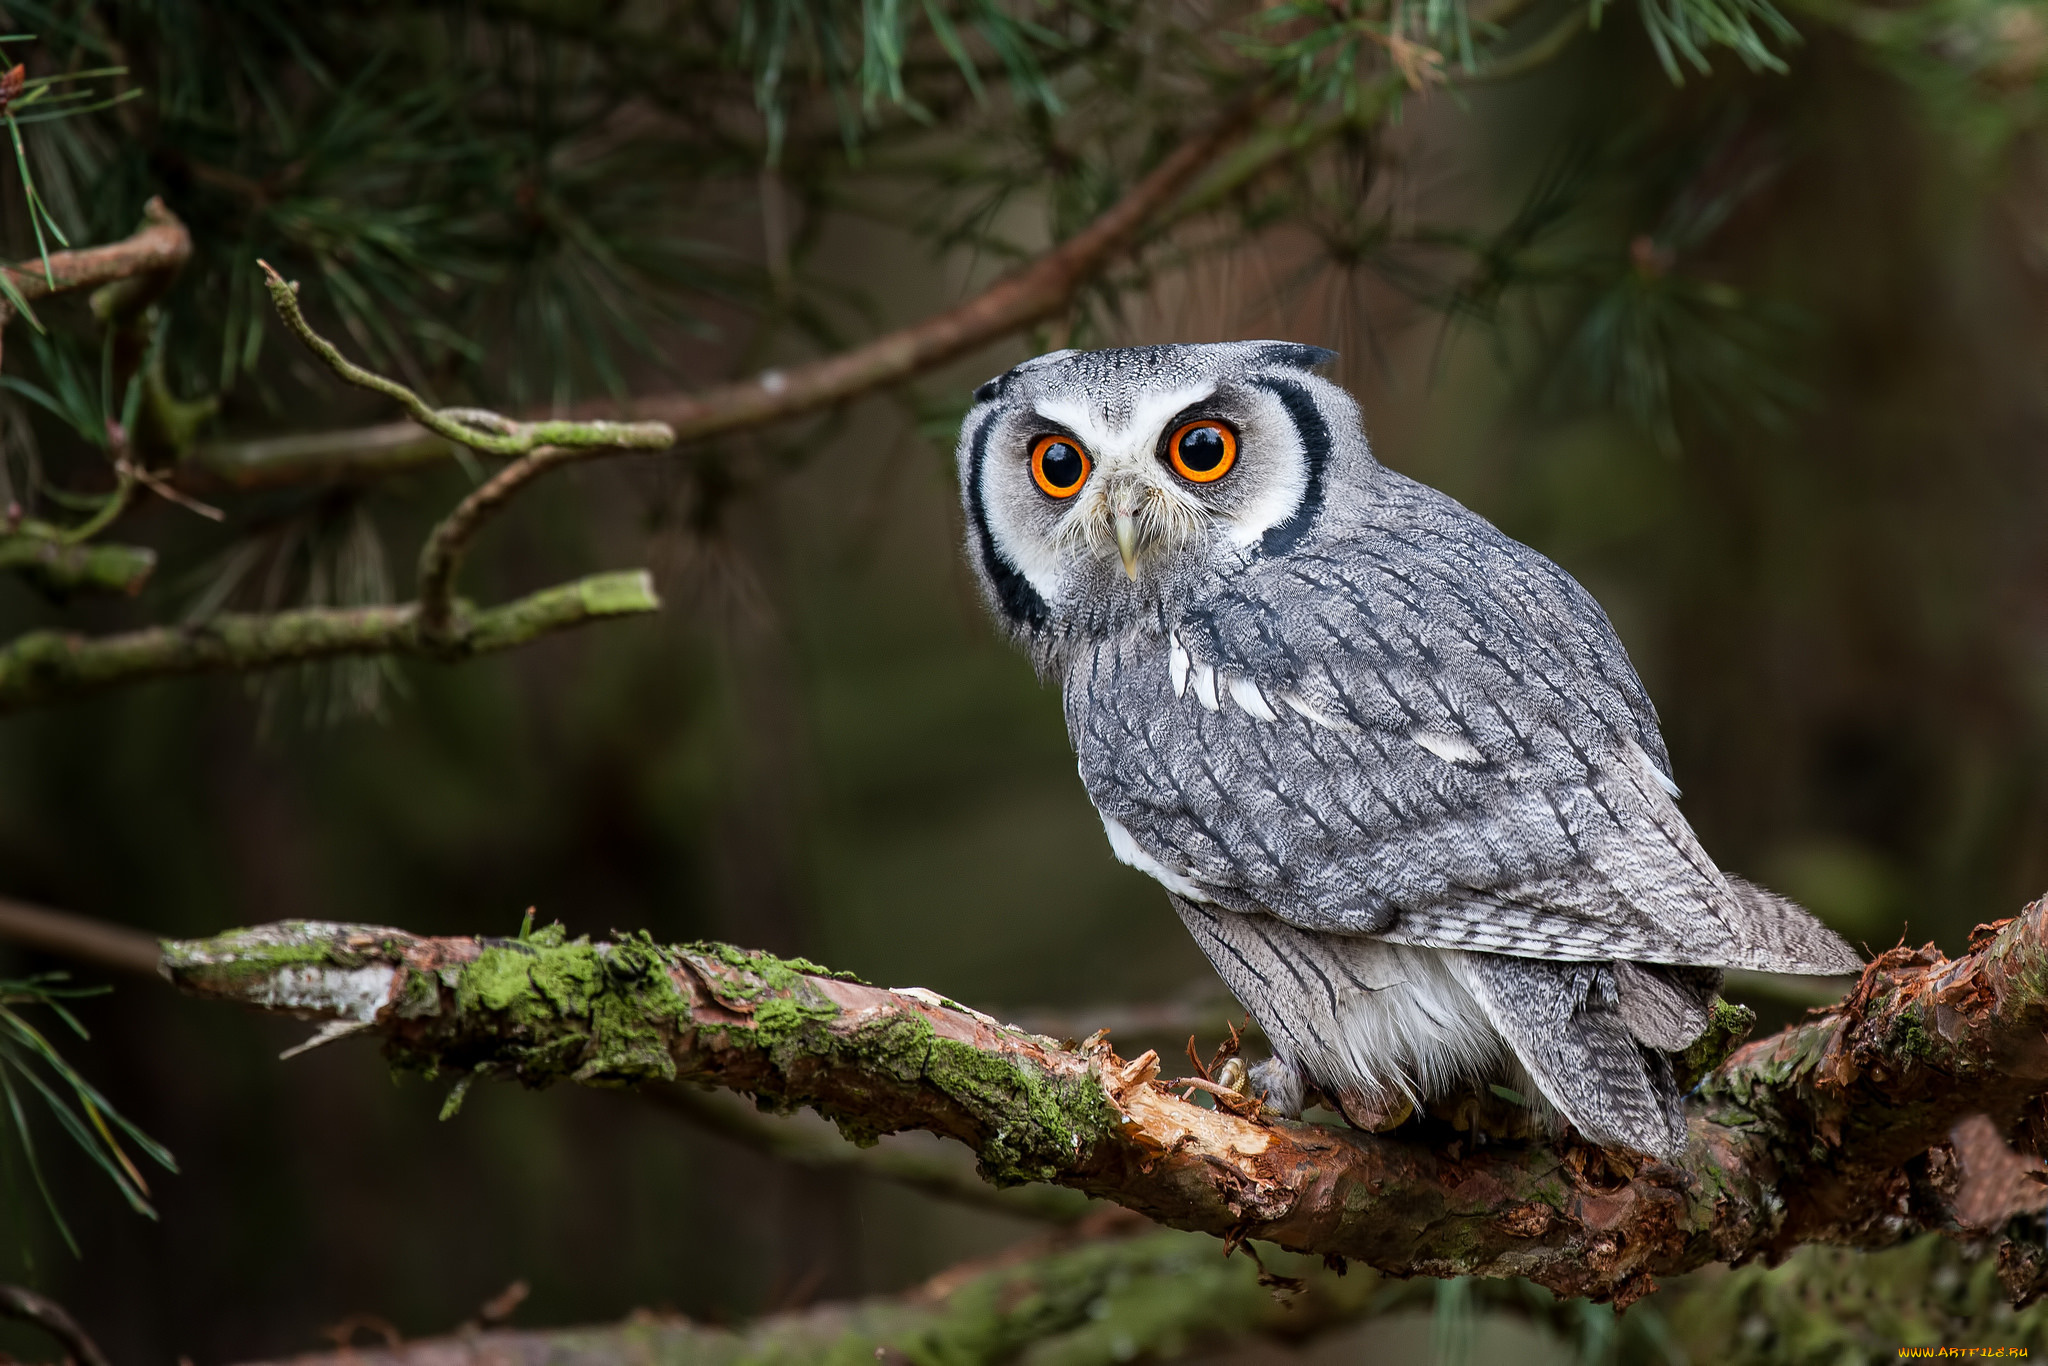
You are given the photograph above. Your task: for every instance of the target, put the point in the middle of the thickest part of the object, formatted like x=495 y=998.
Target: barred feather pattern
x=1395 y=767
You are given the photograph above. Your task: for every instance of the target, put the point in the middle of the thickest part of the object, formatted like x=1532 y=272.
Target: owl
x=1393 y=768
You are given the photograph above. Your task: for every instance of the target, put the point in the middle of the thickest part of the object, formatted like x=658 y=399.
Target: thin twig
x=510 y=437
x=40 y=553
x=1042 y=289
x=537 y=446
x=80 y=937
x=441 y=555
x=25 y=1306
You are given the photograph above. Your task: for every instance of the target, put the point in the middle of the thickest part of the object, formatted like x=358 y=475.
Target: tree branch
x=63 y=567
x=359 y=453
x=1106 y=1300
x=44 y=666
x=1038 y=291
x=25 y=1306
x=81 y=937
x=1821 y=1133
x=538 y=446
x=480 y=430
x=800 y=1144
x=153 y=254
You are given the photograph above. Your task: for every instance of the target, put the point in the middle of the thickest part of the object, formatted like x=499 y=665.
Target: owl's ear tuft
x=1294 y=355
x=989 y=388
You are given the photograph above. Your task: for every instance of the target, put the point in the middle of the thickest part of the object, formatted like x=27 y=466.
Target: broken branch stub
x=1832 y=1131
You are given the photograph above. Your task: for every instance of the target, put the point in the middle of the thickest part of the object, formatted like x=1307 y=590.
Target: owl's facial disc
x=1095 y=482
x=1132 y=507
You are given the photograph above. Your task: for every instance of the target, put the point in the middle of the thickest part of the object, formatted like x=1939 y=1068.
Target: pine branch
x=45 y=666
x=81 y=938
x=1831 y=1131
x=1038 y=291
x=25 y=1306
x=151 y=256
x=63 y=567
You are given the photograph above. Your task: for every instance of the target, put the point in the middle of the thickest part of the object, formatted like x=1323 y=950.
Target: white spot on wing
x=1246 y=694
x=1452 y=749
x=1663 y=779
x=1323 y=719
x=1205 y=687
x=1177 y=663
x=1127 y=851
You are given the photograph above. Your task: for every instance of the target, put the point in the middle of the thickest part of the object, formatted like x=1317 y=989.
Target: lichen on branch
x=1832 y=1131
x=61 y=567
x=46 y=666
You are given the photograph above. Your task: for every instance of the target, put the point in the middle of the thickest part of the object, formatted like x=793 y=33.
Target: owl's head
x=1098 y=483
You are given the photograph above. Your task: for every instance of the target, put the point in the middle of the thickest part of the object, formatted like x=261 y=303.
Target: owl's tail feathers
x=1773 y=934
x=1666 y=1007
x=1566 y=1024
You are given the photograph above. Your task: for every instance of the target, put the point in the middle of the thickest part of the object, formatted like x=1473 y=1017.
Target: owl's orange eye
x=1059 y=465
x=1202 y=452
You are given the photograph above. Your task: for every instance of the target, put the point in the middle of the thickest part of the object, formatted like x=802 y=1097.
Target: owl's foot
x=1375 y=1114
x=1281 y=1084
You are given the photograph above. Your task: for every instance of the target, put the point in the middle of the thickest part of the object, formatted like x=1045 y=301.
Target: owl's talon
x=1234 y=1075
x=1377 y=1114
x=1282 y=1085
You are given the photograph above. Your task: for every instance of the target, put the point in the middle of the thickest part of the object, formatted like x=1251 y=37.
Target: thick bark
x=1832 y=1131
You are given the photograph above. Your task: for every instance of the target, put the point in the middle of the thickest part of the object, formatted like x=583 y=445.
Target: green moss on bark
x=599 y=1014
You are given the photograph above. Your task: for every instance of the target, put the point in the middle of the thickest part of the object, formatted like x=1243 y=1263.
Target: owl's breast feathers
x=1420 y=730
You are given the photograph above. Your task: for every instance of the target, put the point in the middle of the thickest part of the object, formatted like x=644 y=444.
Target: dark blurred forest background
x=1755 y=351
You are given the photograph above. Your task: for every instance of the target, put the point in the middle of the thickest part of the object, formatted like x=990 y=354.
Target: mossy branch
x=1152 y=1297
x=62 y=567
x=45 y=666
x=536 y=446
x=1832 y=1131
x=1125 y=1298
x=490 y=433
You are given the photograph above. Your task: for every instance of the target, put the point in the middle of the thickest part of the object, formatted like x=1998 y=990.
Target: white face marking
x=1122 y=452
x=1452 y=749
x=1130 y=445
x=1283 y=481
x=1127 y=851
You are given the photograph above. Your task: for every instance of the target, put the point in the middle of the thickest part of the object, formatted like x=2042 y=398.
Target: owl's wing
x=1426 y=732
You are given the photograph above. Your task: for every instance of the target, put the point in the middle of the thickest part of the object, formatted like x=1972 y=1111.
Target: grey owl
x=1393 y=768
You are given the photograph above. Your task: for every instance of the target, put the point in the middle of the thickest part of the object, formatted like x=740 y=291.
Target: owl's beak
x=1127 y=541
